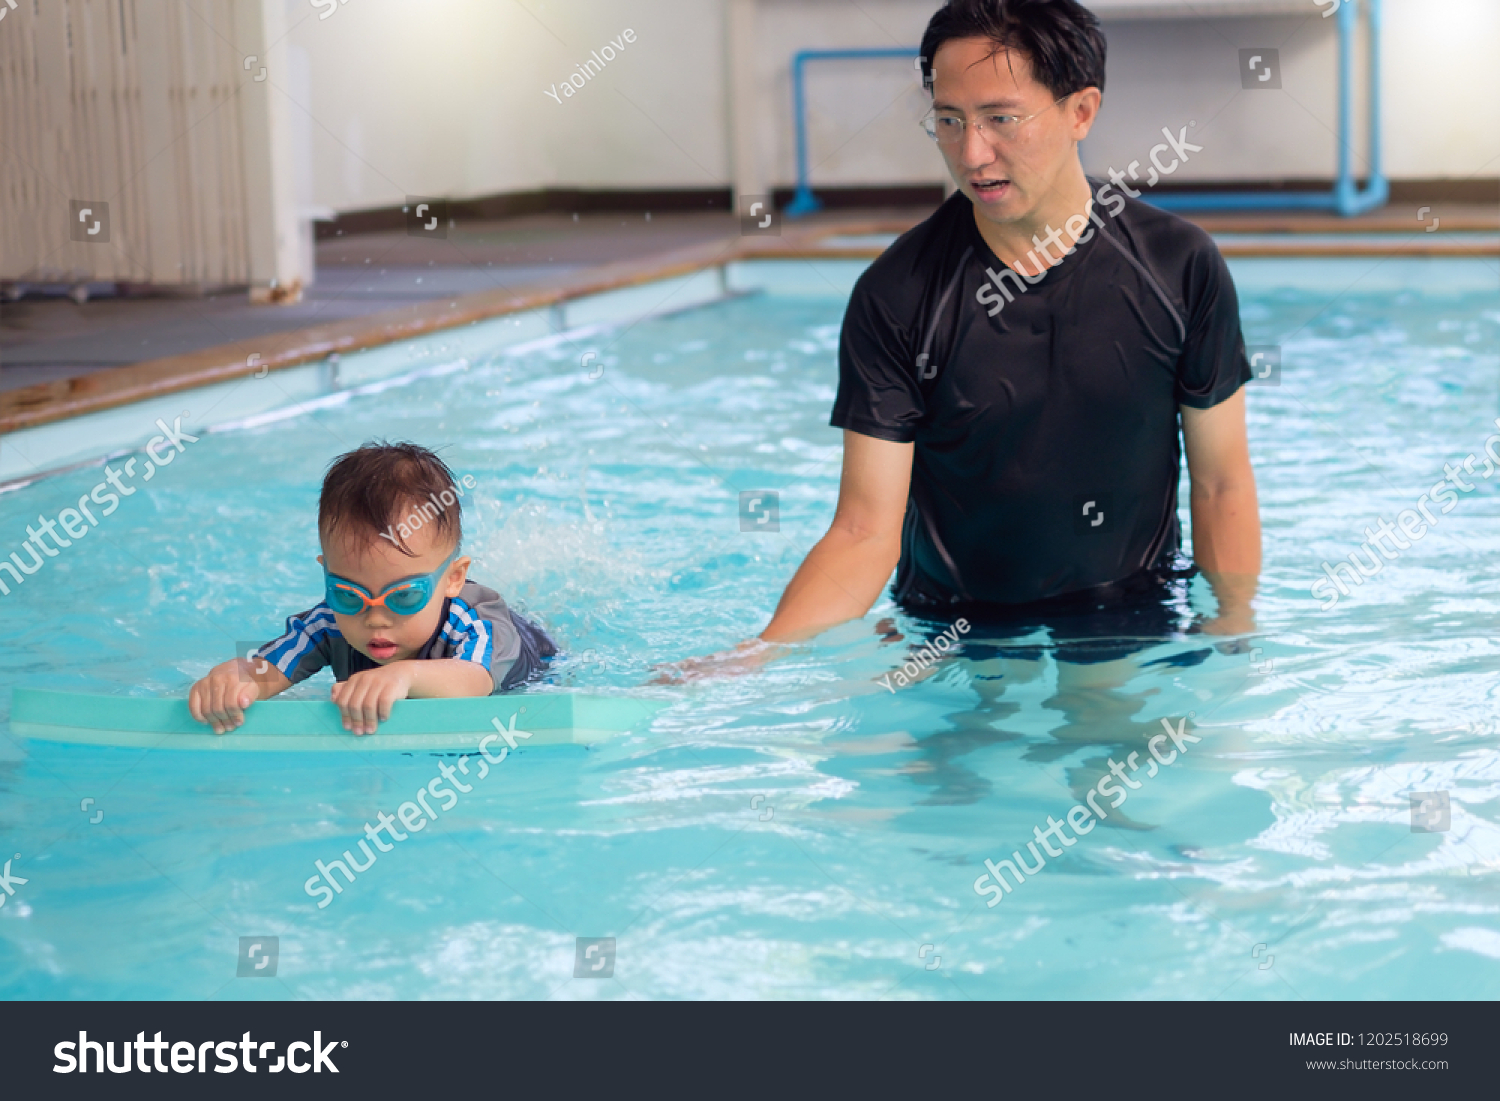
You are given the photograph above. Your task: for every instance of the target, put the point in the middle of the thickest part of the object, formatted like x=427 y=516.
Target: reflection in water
x=1091 y=695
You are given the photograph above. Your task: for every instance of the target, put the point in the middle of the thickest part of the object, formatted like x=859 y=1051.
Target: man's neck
x=1016 y=243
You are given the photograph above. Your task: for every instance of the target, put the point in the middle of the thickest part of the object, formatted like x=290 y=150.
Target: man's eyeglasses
x=948 y=129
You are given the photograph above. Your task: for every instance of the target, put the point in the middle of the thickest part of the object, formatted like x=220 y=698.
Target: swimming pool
x=802 y=832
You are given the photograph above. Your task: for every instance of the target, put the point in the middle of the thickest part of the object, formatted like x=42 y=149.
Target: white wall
x=447 y=97
x=417 y=100
x=656 y=116
x=1171 y=73
x=1439 y=84
x=1442 y=87
x=863 y=115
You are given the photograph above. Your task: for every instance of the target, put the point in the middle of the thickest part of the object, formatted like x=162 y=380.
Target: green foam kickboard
x=279 y=725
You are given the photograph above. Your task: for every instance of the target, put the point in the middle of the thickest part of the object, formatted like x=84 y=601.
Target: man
x=1012 y=372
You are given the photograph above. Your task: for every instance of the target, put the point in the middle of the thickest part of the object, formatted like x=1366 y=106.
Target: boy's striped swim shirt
x=477 y=625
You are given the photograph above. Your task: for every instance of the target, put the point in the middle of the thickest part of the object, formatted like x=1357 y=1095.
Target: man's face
x=379 y=633
x=1009 y=174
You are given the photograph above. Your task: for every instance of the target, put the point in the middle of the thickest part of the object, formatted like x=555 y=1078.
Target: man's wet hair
x=381 y=487
x=1061 y=38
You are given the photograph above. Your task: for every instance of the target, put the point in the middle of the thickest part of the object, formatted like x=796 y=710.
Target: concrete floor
x=43 y=338
x=46 y=338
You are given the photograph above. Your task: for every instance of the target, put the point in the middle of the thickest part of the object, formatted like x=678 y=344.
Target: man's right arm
x=843 y=574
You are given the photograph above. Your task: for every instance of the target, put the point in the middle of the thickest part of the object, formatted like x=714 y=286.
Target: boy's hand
x=221 y=698
x=365 y=698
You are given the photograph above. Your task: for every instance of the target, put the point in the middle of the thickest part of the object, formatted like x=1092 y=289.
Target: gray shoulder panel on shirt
x=489 y=606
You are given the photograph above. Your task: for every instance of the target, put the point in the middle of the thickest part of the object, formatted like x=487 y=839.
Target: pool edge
x=116 y=409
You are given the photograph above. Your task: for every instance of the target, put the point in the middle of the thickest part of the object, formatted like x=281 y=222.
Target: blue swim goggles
x=404 y=598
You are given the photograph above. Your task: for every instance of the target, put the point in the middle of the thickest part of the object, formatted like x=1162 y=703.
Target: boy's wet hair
x=1061 y=38
x=382 y=488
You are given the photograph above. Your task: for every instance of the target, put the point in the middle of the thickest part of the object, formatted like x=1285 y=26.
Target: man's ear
x=1085 y=111
x=320 y=561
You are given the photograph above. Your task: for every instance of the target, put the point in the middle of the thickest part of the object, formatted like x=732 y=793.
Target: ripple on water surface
x=801 y=831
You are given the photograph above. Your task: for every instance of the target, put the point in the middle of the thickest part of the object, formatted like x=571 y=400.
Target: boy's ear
x=320 y=560
x=458 y=573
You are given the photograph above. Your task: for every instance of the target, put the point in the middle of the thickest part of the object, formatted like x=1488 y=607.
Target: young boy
x=399 y=618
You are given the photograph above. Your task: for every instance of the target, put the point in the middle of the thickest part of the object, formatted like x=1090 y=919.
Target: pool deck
x=60 y=358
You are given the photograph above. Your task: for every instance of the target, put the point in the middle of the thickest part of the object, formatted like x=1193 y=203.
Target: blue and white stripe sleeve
x=469 y=636
x=304 y=649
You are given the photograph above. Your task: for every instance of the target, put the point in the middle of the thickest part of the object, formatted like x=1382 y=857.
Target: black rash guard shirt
x=1044 y=410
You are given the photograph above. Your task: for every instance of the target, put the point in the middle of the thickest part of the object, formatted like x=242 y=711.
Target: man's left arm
x=1225 y=512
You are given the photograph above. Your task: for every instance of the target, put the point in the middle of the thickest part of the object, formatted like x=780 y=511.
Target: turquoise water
x=799 y=832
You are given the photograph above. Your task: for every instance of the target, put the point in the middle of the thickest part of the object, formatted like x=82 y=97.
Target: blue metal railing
x=805 y=202
x=1346 y=196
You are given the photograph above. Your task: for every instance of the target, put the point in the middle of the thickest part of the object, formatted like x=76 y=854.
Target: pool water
x=801 y=831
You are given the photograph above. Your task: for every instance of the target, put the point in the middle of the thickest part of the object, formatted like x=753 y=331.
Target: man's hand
x=747 y=657
x=221 y=698
x=1235 y=615
x=365 y=699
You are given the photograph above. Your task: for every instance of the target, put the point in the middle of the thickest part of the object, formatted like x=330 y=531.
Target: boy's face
x=379 y=633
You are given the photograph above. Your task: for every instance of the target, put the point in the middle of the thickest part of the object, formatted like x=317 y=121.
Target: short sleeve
x=1212 y=365
x=878 y=394
x=306 y=647
x=480 y=629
